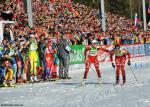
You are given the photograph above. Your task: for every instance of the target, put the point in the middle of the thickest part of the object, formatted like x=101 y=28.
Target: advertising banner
x=78 y=56
x=147 y=49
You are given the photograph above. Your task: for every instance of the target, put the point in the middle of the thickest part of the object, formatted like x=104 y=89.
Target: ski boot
x=51 y=78
x=5 y=83
x=83 y=83
x=46 y=78
x=14 y=80
x=67 y=78
x=31 y=79
x=19 y=80
x=100 y=80
x=124 y=81
x=117 y=82
x=11 y=84
x=55 y=75
x=35 y=79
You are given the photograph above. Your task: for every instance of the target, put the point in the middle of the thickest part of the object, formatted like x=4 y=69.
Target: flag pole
x=144 y=15
x=103 y=15
x=29 y=11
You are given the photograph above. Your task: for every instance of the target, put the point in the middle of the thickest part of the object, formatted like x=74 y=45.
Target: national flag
x=136 y=20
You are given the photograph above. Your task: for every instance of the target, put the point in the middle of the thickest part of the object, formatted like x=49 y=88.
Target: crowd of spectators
x=81 y=23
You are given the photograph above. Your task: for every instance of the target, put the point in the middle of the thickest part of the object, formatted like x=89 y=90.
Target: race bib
x=33 y=47
x=93 y=52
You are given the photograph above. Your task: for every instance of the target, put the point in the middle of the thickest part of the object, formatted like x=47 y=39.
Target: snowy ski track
x=66 y=93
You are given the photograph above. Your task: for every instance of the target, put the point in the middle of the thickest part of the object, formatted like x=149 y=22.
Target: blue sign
x=136 y=50
x=147 y=49
x=142 y=50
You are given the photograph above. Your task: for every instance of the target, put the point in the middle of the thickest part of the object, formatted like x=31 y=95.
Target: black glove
x=129 y=63
x=113 y=65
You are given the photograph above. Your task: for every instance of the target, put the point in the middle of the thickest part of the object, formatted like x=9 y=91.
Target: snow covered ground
x=64 y=93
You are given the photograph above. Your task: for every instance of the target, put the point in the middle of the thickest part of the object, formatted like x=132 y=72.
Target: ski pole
x=92 y=69
x=133 y=73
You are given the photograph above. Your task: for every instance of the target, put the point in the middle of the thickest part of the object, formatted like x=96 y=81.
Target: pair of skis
x=113 y=84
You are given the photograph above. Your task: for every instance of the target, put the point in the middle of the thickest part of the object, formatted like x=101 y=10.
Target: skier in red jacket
x=92 y=56
x=120 y=60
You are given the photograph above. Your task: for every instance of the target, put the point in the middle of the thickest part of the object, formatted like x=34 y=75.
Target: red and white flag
x=136 y=20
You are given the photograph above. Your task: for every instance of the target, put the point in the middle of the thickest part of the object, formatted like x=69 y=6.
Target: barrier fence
x=136 y=50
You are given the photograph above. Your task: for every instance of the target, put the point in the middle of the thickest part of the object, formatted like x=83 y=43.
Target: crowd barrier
x=136 y=50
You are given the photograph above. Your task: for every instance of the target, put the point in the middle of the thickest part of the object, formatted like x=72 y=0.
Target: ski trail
x=63 y=93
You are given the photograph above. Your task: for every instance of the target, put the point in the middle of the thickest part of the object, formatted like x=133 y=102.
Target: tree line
x=126 y=8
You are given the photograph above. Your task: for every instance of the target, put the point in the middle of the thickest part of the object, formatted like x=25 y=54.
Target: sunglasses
x=20 y=36
x=117 y=48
